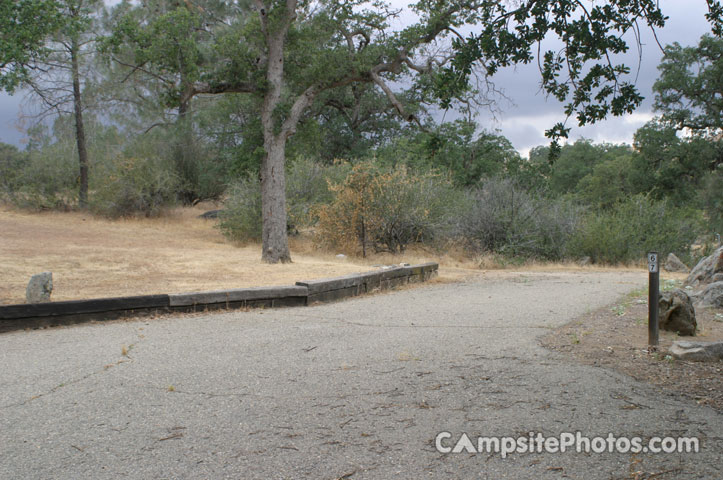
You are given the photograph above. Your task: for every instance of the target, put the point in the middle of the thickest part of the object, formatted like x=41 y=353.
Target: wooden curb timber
x=331 y=289
x=286 y=296
x=37 y=315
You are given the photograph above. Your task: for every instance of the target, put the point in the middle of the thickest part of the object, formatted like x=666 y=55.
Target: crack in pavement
x=125 y=358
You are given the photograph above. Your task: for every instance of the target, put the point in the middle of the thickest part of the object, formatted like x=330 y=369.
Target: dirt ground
x=617 y=337
x=91 y=257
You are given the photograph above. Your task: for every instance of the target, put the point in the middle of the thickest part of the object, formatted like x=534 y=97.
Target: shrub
x=47 y=175
x=711 y=197
x=307 y=186
x=133 y=186
x=504 y=218
x=386 y=209
x=240 y=219
x=200 y=170
x=633 y=227
x=46 y=179
x=11 y=164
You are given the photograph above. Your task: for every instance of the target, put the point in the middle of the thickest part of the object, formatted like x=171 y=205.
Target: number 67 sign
x=653 y=262
x=654 y=285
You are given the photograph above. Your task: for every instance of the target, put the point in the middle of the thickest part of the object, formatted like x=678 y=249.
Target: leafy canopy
x=690 y=87
x=582 y=72
x=24 y=27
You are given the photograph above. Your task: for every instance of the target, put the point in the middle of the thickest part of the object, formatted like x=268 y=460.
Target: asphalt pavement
x=360 y=389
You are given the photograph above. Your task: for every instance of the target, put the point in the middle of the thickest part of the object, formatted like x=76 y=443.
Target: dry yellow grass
x=92 y=257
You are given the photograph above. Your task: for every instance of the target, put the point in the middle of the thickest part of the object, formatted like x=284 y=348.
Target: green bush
x=200 y=169
x=504 y=218
x=240 y=218
x=47 y=176
x=633 y=227
x=45 y=179
x=307 y=187
x=133 y=186
x=711 y=197
x=11 y=164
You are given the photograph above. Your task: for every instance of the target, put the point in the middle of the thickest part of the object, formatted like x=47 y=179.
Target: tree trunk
x=184 y=156
x=79 y=127
x=184 y=151
x=275 y=242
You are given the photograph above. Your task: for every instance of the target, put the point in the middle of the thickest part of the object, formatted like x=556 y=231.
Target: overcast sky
x=525 y=122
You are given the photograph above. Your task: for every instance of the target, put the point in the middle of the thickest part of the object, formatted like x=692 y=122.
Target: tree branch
x=394 y=100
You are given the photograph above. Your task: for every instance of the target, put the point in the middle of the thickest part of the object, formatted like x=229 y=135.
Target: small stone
x=676 y=313
x=673 y=264
x=39 y=288
x=697 y=351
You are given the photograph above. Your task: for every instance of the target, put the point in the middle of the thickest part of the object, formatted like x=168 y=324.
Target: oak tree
x=286 y=54
x=689 y=91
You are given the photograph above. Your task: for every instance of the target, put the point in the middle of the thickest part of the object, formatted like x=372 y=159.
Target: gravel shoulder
x=616 y=337
x=358 y=389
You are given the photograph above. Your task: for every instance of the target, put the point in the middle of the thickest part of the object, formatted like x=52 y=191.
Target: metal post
x=653 y=291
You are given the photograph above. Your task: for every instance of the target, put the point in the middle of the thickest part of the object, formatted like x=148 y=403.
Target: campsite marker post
x=653 y=290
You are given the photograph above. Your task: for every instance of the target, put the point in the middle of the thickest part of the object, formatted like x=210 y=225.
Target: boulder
x=39 y=288
x=697 y=351
x=676 y=313
x=711 y=296
x=673 y=264
x=706 y=269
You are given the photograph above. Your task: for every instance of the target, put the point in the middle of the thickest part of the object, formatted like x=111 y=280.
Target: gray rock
x=211 y=214
x=697 y=351
x=706 y=269
x=39 y=288
x=711 y=296
x=676 y=313
x=673 y=264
